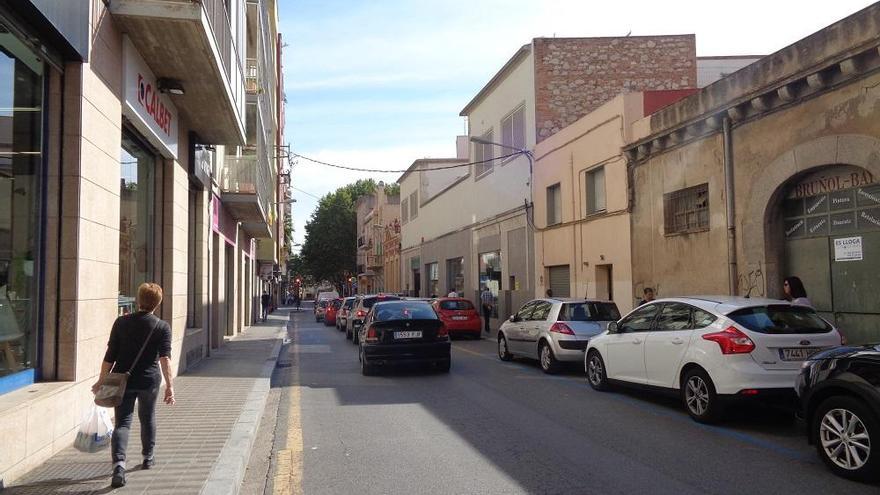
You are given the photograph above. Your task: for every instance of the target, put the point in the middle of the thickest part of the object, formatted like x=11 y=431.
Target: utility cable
x=305 y=192
x=356 y=169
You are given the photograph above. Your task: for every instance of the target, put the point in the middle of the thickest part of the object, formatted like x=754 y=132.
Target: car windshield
x=456 y=305
x=370 y=301
x=780 y=319
x=589 y=311
x=348 y=303
x=404 y=310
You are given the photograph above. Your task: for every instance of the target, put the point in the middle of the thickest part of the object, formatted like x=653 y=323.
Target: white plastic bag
x=95 y=431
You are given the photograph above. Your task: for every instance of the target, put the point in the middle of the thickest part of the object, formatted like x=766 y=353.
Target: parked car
x=331 y=312
x=554 y=330
x=342 y=314
x=359 y=313
x=710 y=350
x=403 y=332
x=321 y=309
x=459 y=316
x=839 y=391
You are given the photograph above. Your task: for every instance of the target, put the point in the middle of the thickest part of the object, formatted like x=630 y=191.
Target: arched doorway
x=830 y=222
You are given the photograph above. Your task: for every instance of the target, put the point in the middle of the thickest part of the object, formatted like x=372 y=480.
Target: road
x=494 y=427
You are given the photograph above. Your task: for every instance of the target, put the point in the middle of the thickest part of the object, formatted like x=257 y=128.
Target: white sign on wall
x=848 y=249
x=151 y=112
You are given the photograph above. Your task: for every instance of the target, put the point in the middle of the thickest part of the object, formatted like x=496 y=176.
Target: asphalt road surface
x=495 y=427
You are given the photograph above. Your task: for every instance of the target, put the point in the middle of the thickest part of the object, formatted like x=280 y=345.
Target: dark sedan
x=403 y=332
x=840 y=398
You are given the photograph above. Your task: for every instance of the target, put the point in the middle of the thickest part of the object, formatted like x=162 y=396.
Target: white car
x=554 y=330
x=710 y=349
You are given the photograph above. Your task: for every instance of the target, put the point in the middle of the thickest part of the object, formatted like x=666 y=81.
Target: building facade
x=768 y=173
x=120 y=127
x=375 y=212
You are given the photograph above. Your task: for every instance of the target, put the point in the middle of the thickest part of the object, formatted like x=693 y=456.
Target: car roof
x=570 y=300
x=724 y=304
x=452 y=299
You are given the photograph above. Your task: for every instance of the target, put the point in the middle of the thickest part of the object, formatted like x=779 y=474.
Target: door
x=417 y=282
x=666 y=344
x=537 y=321
x=515 y=330
x=626 y=349
x=855 y=285
x=560 y=281
x=604 y=283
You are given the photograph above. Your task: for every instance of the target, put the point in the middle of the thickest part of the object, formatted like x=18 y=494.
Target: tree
x=296 y=269
x=330 y=248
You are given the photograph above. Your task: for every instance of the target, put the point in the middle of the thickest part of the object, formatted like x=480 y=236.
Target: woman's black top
x=128 y=335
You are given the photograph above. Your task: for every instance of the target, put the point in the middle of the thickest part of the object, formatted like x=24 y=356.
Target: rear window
x=780 y=319
x=589 y=311
x=370 y=301
x=337 y=304
x=322 y=304
x=456 y=305
x=348 y=303
x=404 y=310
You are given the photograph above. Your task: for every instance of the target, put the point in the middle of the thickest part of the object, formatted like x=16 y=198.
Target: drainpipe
x=731 y=211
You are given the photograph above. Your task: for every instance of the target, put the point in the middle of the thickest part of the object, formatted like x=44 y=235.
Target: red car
x=330 y=314
x=459 y=316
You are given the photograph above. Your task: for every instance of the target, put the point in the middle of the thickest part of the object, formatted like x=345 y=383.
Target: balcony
x=375 y=261
x=245 y=182
x=193 y=42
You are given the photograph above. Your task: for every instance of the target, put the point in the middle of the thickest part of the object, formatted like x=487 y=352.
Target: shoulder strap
x=140 y=352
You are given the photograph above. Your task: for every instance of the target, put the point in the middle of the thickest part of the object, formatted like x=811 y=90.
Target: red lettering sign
x=151 y=101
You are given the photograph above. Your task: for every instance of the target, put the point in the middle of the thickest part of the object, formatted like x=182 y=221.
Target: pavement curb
x=227 y=474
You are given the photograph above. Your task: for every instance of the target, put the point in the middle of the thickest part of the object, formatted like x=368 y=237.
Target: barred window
x=686 y=210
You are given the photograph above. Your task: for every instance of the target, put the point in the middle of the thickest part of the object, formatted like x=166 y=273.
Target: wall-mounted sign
x=848 y=249
x=201 y=161
x=150 y=111
x=829 y=180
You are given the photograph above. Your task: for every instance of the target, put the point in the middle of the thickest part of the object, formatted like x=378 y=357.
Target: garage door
x=559 y=281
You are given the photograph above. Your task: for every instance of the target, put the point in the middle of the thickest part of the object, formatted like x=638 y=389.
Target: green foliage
x=392 y=189
x=330 y=248
x=296 y=268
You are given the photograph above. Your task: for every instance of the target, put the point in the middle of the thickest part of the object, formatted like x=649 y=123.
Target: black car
x=840 y=399
x=359 y=311
x=403 y=332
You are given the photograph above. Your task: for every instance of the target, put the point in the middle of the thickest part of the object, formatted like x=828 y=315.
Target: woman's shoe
x=118 y=477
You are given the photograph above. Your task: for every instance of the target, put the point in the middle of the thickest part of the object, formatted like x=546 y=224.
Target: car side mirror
x=513 y=318
x=612 y=327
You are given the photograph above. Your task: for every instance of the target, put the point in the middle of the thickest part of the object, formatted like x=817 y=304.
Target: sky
x=380 y=83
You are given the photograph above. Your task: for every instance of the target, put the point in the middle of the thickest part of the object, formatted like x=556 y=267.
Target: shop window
x=433 y=272
x=490 y=275
x=136 y=220
x=596 y=191
x=22 y=78
x=686 y=210
x=455 y=275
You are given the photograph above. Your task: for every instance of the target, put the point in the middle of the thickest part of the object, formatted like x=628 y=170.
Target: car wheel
x=366 y=369
x=699 y=397
x=597 y=376
x=549 y=364
x=844 y=429
x=503 y=353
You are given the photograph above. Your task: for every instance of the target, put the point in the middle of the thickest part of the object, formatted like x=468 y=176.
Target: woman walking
x=795 y=292
x=128 y=337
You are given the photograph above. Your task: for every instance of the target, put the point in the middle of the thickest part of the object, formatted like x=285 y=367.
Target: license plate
x=459 y=318
x=798 y=354
x=408 y=335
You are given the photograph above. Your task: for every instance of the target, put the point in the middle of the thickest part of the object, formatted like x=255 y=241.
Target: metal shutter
x=559 y=281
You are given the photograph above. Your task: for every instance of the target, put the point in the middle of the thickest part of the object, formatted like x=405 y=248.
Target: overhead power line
x=357 y=169
x=304 y=192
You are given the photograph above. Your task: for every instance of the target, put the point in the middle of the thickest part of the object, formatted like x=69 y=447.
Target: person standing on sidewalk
x=488 y=304
x=127 y=337
x=264 y=303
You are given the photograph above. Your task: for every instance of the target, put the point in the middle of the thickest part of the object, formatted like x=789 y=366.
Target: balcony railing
x=252 y=76
x=375 y=261
x=244 y=176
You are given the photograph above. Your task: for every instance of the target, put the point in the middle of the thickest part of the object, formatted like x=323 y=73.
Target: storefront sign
x=201 y=161
x=848 y=249
x=830 y=180
x=152 y=112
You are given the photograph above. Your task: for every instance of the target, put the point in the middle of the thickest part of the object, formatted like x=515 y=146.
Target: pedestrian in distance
x=795 y=292
x=648 y=294
x=487 y=301
x=264 y=304
x=141 y=342
x=549 y=292
x=296 y=300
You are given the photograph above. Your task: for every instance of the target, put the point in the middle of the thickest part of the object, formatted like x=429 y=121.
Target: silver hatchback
x=554 y=330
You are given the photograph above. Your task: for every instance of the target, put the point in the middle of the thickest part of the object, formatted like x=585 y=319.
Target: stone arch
x=760 y=239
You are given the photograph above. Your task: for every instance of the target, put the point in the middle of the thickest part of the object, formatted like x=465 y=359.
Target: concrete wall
x=574 y=76
x=711 y=69
x=582 y=241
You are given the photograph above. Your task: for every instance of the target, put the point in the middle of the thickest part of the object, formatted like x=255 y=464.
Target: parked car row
x=715 y=350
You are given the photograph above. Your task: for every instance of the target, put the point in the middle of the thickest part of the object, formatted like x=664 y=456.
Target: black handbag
x=112 y=386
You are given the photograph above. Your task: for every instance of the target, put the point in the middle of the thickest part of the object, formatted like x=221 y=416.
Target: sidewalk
x=203 y=441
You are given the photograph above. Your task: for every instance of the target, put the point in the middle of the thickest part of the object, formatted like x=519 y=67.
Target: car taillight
x=562 y=328
x=731 y=341
x=442 y=331
x=361 y=313
x=372 y=336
